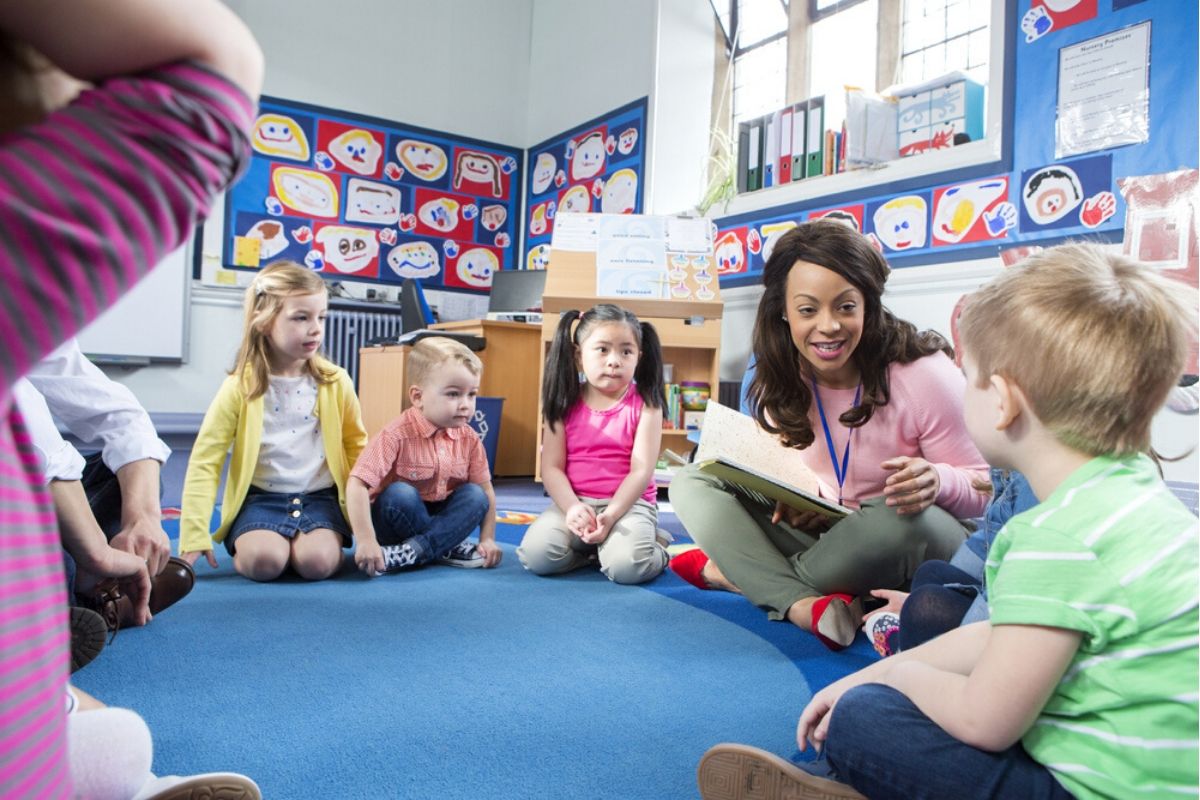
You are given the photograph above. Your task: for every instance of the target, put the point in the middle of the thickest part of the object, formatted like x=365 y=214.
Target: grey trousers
x=775 y=564
x=630 y=554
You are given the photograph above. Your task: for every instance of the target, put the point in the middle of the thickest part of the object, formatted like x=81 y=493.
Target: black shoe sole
x=88 y=635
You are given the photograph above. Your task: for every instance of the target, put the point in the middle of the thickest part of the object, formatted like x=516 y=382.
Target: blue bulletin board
x=1029 y=196
x=598 y=166
x=367 y=199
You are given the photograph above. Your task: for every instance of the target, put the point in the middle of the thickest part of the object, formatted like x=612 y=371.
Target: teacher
x=875 y=408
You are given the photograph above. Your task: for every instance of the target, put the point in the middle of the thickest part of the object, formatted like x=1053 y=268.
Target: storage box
x=930 y=115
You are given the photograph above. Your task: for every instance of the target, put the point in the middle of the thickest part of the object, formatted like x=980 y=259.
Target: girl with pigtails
x=602 y=404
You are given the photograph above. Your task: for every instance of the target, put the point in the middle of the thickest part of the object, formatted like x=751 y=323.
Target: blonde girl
x=602 y=402
x=294 y=423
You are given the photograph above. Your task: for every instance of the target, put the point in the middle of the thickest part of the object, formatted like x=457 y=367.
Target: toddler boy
x=422 y=485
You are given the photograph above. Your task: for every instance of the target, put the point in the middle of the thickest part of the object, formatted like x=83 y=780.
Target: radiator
x=346 y=331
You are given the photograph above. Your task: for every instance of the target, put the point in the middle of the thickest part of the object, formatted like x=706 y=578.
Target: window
x=939 y=36
x=759 y=47
x=842 y=52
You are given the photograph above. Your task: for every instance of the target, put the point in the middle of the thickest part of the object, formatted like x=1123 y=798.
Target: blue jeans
x=400 y=515
x=882 y=745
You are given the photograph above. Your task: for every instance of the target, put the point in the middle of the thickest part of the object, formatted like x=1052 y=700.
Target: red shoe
x=835 y=620
x=689 y=565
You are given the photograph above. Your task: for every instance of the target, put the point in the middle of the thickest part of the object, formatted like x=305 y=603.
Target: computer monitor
x=517 y=290
x=414 y=309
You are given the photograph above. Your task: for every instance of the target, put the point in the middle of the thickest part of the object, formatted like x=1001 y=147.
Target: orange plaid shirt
x=435 y=461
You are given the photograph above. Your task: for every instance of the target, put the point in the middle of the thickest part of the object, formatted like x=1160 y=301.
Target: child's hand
x=491 y=553
x=810 y=521
x=581 y=519
x=913 y=486
x=604 y=524
x=368 y=556
x=895 y=600
x=194 y=556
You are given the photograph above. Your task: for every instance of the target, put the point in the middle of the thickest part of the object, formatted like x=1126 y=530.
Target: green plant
x=722 y=173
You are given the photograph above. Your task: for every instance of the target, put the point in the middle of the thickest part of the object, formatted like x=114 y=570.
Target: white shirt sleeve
x=57 y=459
x=96 y=408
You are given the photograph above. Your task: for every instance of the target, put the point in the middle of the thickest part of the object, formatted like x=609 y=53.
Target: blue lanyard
x=839 y=472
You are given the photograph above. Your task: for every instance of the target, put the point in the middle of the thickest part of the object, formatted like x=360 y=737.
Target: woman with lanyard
x=875 y=407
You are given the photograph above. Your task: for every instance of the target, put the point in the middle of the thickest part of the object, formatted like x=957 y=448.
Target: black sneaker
x=463 y=554
x=398 y=556
x=88 y=634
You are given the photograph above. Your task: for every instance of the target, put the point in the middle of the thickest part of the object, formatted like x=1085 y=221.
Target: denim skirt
x=289 y=513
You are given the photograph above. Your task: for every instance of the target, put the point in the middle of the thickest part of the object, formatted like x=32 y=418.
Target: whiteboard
x=150 y=322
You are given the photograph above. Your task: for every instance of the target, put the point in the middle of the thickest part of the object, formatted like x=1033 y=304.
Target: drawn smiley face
x=620 y=192
x=476 y=266
x=277 y=135
x=960 y=207
x=357 y=150
x=441 y=214
x=414 y=260
x=305 y=191
x=730 y=254
x=588 y=159
x=543 y=172
x=374 y=203
x=1051 y=193
x=900 y=222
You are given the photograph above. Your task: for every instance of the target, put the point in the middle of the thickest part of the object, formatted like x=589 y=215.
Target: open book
x=732 y=447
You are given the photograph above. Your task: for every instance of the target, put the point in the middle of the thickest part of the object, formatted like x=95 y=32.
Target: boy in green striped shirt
x=1084 y=681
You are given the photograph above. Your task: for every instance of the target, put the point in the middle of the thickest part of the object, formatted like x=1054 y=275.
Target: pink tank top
x=599 y=447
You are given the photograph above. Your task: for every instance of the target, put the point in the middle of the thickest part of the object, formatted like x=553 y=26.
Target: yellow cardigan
x=232 y=419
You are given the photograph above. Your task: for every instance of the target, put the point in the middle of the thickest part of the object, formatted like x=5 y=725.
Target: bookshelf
x=690 y=330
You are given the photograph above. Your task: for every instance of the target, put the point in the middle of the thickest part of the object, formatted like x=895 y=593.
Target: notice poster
x=1104 y=92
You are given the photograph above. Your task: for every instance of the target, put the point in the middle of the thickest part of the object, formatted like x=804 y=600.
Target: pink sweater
x=924 y=417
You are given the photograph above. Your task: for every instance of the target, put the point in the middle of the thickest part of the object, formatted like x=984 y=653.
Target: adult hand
x=491 y=553
x=132 y=575
x=194 y=556
x=146 y=540
x=368 y=557
x=914 y=485
x=581 y=519
x=811 y=521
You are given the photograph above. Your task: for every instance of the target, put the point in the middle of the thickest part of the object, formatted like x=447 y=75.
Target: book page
x=735 y=437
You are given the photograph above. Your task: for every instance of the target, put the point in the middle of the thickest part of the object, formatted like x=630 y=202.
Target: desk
x=510 y=370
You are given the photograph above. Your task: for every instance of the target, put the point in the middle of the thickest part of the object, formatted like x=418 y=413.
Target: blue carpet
x=447 y=683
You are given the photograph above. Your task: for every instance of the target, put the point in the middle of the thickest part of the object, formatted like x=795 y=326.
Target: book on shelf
x=734 y=448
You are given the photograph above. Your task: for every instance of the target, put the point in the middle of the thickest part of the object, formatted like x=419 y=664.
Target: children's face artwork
x=620 y=193
x=576 y=200
x=627 y=141
x=492 y=217
x=305 y=191
x=476 y=266
x=537 y=220
x=900 y=222
x=357 y=150
x=296 y=333
x=543 y=172
x=730 y=254
x=272 y=236
x=1051 y=193
x=374 y=203
x=539 y=257
x=472 y=167
x=414 y=260
x=960 y=207
x=280 y=136
x=425 y=160
x=588 y=159
x=608 y=357
x=447 y=397
x=825 y=315
x=771 y=233
x=348 y=249
x=440 y=214
x=843 y=218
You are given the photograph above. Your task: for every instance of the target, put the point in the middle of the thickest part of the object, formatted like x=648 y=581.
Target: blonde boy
x=422 y=485
x=1084 y=682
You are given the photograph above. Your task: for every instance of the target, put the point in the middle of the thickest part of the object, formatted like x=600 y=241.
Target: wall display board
x=598 y=166
x=367 y=199
x=1030 y=196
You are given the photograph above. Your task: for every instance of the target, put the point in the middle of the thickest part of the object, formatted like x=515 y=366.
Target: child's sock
x=398 y=556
